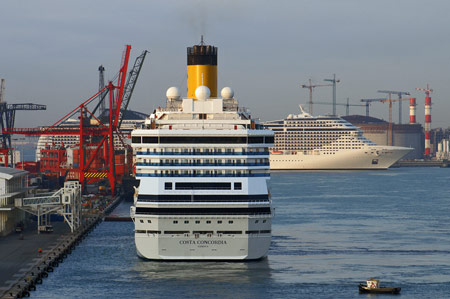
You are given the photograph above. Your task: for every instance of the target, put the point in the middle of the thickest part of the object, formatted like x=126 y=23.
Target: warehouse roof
x=8 y=173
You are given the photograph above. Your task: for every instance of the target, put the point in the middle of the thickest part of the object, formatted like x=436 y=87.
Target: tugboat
x=373 y=287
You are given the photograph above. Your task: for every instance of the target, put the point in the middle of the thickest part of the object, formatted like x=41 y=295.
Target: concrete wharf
x=29 y=258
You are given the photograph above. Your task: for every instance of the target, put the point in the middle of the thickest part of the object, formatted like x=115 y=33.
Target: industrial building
x=13 y=184
x=377 y=130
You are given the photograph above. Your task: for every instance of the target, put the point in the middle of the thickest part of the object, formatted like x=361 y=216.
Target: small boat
x=373 y=287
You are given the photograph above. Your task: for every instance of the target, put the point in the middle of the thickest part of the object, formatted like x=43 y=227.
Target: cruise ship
x=203 y=166
x=306 y=142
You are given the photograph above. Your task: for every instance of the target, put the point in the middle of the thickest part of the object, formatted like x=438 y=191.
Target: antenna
x=201 y=41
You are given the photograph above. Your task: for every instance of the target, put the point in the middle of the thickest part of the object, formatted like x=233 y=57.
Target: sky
x=50 y=52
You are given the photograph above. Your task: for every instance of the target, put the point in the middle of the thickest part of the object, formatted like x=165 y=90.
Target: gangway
x=66 y=202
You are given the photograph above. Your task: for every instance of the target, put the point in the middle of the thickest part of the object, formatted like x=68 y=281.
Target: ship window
x=203 y=232
x=197 y=221
x=186 y=221
x=168 y=186
x=256 y=139
x=142 y=221
x=136 y=139
x=230 y=221
x=268 y=139
x=149 y=221
x=230 y=232
x=256 y=221
x=238 y=186
x=175 y=221
x=202 y=186
x=147 y=139
x=208 y=221
x=251 y=232
x=264 y=221
x=219 y=221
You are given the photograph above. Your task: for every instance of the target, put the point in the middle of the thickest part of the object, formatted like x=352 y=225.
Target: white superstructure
x=306 y=142
x=203 y=166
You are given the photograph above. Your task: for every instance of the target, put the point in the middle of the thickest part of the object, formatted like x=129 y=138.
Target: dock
x=424 y=163
x=29 y=258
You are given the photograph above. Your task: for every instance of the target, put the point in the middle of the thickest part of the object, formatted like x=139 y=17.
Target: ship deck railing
x=203 y=153
x=202 y=164
x=201 y=175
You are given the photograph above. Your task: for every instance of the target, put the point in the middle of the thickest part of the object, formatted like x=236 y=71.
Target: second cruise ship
x=306 y=142
x=203 y=167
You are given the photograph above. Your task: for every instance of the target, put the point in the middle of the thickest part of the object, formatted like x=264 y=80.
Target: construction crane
x=311 y=87
x=347 y=105
x=104 y=149
x=333 y=81
x=399 y=94
x=384 y=100
x=368 y=101
x=7 y=120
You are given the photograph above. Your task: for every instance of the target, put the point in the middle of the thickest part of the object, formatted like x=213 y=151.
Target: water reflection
x=232 y=272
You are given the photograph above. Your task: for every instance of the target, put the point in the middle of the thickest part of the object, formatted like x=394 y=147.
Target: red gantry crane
x=92 y=128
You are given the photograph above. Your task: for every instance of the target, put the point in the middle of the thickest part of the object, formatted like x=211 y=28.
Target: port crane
x=399 y=94
x=311 y=87
x=101 y=86
x=7 y=120
x=92 y=128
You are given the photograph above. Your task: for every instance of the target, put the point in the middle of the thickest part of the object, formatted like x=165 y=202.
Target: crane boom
x=399 y=94
x=131 y=83
x=311 y=87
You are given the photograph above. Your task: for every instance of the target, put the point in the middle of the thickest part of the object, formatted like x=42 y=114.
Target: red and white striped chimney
x=427 y=125
x=412 y=110
x=427 y=90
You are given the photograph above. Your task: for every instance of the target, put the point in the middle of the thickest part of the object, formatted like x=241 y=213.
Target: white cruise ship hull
x=156 y=247
x=372 y=157
x=230 y=238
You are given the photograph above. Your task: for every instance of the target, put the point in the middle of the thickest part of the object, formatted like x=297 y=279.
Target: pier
x=424 y=163
x=32 y=257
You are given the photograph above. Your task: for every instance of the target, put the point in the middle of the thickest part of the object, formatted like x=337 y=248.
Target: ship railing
x=215 y=214
x=203 y=153
x=202 y=164
x=201 y=175
x=266 y=201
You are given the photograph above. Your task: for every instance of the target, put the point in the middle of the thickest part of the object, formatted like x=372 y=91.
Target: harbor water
x=331 y=230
